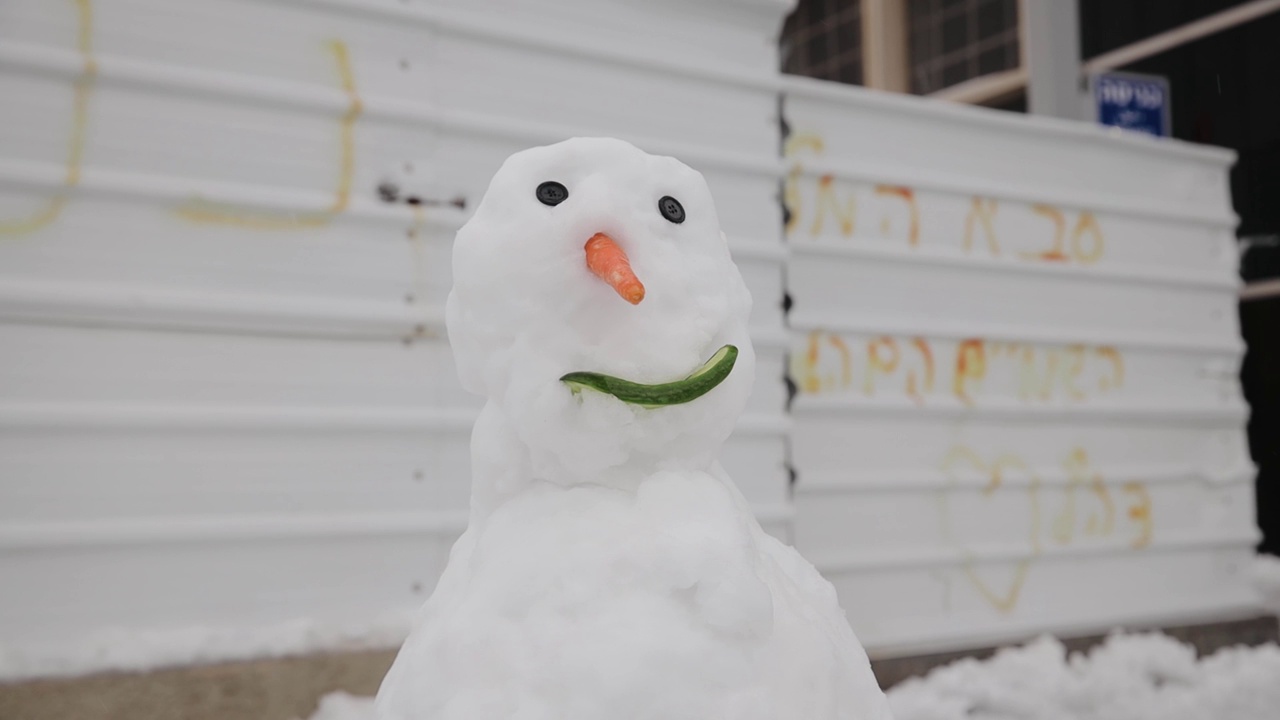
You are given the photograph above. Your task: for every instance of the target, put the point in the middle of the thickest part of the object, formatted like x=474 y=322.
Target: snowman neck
x=503 y=465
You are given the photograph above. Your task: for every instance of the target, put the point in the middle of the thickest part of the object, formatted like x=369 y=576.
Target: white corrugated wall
x=226 y=399
x=1016 y=348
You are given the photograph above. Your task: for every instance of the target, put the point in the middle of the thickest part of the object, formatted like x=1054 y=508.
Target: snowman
x=611 y=570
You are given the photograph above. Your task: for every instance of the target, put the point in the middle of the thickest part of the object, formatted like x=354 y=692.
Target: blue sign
x=1133 y=102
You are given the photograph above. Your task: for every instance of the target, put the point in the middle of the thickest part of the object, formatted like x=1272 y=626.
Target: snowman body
x=611 y=569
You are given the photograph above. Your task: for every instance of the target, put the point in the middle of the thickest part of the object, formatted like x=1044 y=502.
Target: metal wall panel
x=227 y=399
x=1015 y=350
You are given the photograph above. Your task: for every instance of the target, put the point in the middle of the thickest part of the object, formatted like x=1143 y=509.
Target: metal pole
x=1051 y=53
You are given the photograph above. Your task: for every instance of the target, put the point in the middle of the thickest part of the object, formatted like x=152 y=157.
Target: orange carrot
x=610 y=263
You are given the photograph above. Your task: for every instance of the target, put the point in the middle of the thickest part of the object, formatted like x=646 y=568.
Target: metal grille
x=823 y=39
x=956 y=40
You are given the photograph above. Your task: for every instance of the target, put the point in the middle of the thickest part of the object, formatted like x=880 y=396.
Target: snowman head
x=592 y=256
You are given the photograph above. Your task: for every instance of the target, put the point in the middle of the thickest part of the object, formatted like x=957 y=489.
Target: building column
x=1051 y=54
x=884 y=45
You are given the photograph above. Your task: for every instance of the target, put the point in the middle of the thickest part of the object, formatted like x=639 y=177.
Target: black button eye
x=671 y=209
x=552 y=193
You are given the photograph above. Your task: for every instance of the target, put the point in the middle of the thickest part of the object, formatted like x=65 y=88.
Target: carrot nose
x=610 y=264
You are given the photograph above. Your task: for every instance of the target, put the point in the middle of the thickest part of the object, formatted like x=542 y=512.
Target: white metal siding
x=227 y=400
x=1015 y=346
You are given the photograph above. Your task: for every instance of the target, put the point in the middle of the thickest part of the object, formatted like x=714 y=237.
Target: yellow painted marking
x=983 y=213
x=914 y=388
x=204 y=211
x=913 y=213
x=1113 y=356
x=971 y=366
x=801 y=140
x=1075 y=356
x=809 y=371
x=1087 y=224
x=846 y=360
x=1007 y=600
x=878 y=363
x=79 y=121
x=1031 y=384
x=1140 y=513
x=1055 y=253
x=827 y=199
x=791 y=186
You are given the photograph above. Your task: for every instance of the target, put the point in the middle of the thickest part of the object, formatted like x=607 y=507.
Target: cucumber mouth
x=698 y=383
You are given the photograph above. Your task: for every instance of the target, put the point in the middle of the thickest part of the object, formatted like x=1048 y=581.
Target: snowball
x=525 y=310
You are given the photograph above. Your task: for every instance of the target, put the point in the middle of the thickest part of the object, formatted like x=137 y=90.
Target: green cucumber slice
x=699 y=383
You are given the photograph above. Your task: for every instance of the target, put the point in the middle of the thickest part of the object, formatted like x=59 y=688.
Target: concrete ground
x=289 y=688
x=276 y=689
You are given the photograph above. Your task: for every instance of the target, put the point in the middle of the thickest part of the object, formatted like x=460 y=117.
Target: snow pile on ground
x=344 y=706
x=1129 y=677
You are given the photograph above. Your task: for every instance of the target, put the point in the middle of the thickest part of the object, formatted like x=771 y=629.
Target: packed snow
x=344 y=706
x=1128 y=677
x=611 y=569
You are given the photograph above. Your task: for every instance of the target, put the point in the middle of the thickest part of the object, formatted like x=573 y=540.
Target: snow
x=344 y=706
x=611 y=568
x=1128 y=677
x=525 y=310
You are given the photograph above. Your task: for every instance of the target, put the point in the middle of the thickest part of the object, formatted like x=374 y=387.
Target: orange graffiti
x=827 y=199
x=983 y=211
x=1003 y=601
x=1140 y=513
x=1094 y=525
x=1040 y=374
x=1101 y=521
x=809 y=373
x=1055 y=253
x=914 y=389
x=1086 y=223
x=971 y=366
x=1073 y=370
x=846 y=359
x=1079 y=474
x=1112 y=355
x=803 y=140
x=1086 y=237
x=1063 y=371
x=79 y=122
x=203 y=211
x=1031 y=385
x=877 y=363
x=791 y=197
x=913 y=213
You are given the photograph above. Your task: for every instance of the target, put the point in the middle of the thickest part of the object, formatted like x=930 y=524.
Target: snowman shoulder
x=800 y=573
